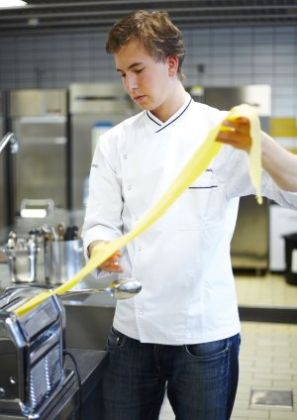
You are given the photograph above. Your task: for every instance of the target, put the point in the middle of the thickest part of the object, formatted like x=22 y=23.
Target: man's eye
x=138 y=71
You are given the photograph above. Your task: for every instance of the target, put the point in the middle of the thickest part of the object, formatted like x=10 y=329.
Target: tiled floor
x=268 y=352
x=271 y=290
x=268 y=361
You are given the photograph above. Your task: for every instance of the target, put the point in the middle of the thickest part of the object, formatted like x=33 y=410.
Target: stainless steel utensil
x=120 y=289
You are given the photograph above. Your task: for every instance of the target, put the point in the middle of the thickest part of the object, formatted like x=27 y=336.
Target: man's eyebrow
x=131 y=66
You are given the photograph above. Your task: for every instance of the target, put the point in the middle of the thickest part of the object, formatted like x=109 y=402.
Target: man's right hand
x=112 y=263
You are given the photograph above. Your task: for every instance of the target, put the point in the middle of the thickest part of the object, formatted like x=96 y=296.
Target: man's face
x=147 y=81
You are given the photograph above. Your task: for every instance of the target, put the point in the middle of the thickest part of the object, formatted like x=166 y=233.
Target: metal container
x=63 y=259
x=25 y=258
x=25 y=267
x=38 y=259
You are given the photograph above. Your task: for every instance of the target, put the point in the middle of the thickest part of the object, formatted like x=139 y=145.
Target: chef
x=182 y=332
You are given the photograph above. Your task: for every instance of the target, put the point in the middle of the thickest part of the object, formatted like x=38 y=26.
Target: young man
x=182 y=330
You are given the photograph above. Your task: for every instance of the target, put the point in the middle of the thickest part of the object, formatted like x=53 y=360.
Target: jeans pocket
x=115 y=339
x=208 y=351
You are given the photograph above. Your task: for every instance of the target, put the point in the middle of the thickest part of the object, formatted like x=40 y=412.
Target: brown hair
x=159 y=36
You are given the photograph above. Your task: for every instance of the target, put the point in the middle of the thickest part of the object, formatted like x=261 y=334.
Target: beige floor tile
x=239 y=418
x=271 y=289
x=282 y=415
x=251 y=414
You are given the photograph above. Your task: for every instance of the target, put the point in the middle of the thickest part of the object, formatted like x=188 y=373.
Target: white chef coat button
x=125 y=156
x=129 y=187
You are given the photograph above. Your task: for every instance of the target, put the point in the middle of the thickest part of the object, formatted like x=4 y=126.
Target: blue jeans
x=201 y=379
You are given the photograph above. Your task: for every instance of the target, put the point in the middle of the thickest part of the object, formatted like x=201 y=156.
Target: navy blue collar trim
x=164 y=126
x=152 y=119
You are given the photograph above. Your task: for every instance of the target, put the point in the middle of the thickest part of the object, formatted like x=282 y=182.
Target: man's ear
x=173 y=63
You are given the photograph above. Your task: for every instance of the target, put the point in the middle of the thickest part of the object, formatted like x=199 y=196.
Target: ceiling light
x=11 y=3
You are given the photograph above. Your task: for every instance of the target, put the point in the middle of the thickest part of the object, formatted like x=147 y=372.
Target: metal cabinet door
x=81 y=156
x=40 y=165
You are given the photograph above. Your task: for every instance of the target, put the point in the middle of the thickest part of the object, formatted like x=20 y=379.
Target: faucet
x=9 y=137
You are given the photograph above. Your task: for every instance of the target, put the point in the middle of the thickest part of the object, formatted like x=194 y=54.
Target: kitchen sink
x=87 y=326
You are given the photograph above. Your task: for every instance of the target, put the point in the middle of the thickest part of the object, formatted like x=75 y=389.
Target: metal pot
x=25 y=258
x=63 y=259
x=38 y=259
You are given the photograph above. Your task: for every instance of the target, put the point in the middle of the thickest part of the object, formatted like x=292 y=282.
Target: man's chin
x=144 y=107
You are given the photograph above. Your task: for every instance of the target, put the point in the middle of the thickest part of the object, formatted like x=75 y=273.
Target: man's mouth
x=139 y=98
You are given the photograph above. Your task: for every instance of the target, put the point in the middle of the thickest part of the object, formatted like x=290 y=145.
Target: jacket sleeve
x=105 y=204
x=238 y=183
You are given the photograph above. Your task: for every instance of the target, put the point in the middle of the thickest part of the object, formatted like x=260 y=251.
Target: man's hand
x=110 y=265
x=236 y=133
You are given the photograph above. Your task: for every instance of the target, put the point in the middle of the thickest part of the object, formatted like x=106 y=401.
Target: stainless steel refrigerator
x=39 y=121
x=249 y=247
x=94 y=108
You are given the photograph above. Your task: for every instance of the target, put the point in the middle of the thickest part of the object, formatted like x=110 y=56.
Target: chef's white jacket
x=183 y=260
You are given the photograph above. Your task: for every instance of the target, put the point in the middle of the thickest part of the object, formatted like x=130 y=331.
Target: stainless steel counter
x=88 y=317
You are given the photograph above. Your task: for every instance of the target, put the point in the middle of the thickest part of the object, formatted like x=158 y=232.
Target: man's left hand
x=236 y=133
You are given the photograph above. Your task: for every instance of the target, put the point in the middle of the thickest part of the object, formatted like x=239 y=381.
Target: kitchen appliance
x=35 y=213
x=32 y=373
x=282 y=221
x=94 y=108
x=250 y=244
x=39 y=120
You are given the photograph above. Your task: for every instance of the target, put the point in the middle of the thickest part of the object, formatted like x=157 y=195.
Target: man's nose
x=131 y=82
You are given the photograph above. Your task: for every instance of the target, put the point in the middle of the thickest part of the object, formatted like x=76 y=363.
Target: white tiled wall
x=231 y=57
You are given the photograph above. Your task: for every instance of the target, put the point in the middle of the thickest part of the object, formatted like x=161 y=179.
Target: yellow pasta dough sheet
x=196 y=165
